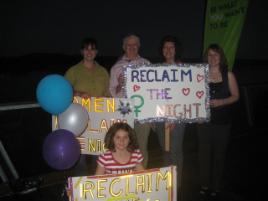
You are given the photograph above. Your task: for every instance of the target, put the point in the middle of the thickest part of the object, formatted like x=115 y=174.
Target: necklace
x=215 y=76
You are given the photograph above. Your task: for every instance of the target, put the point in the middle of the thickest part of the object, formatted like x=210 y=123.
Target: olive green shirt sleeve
x=107 y=91
x=69 y=75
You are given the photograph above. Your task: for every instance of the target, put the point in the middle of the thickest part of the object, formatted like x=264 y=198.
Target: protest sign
x=153 y=184
x=103 y=112
x=168 y=92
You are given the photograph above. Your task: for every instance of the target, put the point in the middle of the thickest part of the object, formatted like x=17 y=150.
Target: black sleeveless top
x=220 y=90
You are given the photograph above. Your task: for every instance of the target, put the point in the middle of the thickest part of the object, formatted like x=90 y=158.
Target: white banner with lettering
x=168 y=92
x=153 y=184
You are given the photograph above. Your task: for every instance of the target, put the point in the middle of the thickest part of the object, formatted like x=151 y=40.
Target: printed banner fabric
x=223 y=25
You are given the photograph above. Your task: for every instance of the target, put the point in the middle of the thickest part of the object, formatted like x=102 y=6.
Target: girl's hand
x=68 y=192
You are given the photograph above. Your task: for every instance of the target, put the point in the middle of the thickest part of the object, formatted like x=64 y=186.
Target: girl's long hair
x=109 y=138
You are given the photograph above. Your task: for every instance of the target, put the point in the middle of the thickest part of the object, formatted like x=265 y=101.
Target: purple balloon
x=61 y=150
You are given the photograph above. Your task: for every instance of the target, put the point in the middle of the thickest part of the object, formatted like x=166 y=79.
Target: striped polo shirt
x=112 y=166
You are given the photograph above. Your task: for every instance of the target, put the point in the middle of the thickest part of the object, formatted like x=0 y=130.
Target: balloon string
x=65 y=187
x=56 y=122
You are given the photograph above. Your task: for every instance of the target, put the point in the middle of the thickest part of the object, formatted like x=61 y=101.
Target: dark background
x=58 y=26
x=38 y=38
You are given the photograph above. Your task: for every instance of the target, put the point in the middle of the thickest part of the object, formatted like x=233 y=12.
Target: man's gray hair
x=125 y=39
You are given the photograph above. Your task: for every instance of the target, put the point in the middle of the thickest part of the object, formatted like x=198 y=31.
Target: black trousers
x=212 y=145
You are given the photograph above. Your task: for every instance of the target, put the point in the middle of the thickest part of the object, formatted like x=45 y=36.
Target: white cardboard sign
x=153 y=184
x=168 y=92
x=103 y=112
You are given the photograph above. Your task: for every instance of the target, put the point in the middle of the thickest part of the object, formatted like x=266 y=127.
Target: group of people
x=127 y=147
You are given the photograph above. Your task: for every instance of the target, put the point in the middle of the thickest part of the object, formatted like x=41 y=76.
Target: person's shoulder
x=120 y=61
x=74 y=67
x=230 y=73
x=231 y=76
x=119 y=64
x=106 y=153
x=105 y=156
x=101 y=70
x=70 y=72
x=137 y=151
x=143 y=60
x=100 y=67
x=137 y=155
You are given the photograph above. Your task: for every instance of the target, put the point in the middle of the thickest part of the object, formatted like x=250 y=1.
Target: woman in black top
x=213 y=136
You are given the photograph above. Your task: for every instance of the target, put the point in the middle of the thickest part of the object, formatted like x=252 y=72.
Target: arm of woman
x=233 y=88
x=234 y=91
x=100 y=170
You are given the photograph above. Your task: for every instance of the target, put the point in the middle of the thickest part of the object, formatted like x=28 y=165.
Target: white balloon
x=74 y=119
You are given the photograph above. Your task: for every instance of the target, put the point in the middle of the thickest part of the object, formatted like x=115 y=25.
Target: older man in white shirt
x=131 y=45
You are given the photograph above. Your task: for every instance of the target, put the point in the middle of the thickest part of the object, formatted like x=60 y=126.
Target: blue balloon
x=54 y=94
x=61 y=150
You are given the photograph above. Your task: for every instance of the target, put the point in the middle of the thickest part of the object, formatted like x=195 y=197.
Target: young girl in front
x=122 y=155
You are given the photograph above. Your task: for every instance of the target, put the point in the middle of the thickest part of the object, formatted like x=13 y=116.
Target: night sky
x=58 y=26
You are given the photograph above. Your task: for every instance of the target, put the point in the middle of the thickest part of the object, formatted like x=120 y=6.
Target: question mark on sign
x=137 y=107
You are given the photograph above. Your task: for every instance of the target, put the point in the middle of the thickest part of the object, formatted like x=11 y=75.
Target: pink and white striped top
x=112 y=166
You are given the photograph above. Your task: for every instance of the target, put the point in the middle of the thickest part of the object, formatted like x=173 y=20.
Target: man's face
x=89 y=53
x=131 y=48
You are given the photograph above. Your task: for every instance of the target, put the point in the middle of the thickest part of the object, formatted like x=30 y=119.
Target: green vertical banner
x=223 y=25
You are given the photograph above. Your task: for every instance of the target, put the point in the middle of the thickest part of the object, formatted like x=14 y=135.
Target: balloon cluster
x=61 y=149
